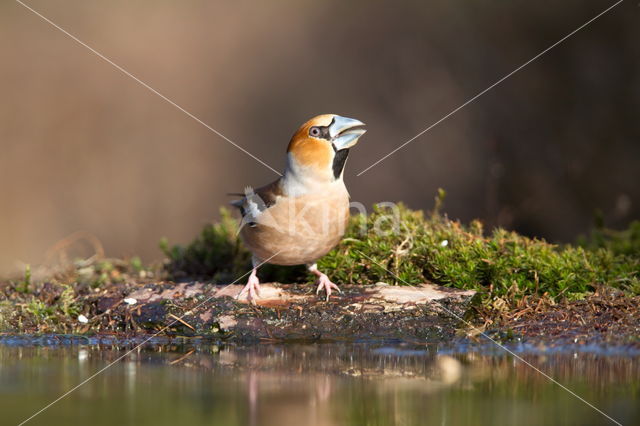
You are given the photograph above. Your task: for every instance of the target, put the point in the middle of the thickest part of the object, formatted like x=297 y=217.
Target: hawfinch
x=301 y=216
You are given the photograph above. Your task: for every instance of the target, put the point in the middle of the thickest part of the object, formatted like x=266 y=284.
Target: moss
x=501 y=265
x=217 y=253
x=24 y=285
x=626 y=242
x=401 y=246
x=68 y=304
x=53 y=304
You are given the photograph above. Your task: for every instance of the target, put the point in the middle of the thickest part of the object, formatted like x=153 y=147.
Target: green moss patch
x=405 y=247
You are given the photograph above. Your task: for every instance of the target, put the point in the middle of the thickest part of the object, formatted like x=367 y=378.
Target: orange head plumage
x=321 y=145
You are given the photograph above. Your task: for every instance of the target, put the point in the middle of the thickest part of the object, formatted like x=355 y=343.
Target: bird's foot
x=324 y=283
x=252 y=288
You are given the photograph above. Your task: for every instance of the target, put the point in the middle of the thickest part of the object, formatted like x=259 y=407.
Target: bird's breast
x=297 y=230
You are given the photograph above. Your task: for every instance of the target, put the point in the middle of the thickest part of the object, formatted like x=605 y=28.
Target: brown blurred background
x=84 y=147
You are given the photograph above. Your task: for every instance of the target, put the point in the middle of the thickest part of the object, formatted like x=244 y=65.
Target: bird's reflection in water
x=311 y=384
x=287 y=400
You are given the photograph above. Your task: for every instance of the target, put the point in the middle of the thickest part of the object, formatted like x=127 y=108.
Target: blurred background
x=84 y=147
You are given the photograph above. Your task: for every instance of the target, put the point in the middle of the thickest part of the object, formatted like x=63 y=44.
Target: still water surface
x=321 y=384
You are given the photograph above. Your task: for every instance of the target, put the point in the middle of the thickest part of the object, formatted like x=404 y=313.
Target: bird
x=301 y=216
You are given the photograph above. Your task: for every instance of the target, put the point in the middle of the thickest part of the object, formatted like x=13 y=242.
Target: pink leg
x=252 y=288
x=324 y=283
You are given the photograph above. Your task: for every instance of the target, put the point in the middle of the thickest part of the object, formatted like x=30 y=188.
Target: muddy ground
x=422 y=314
x=284 y=312
x=606 y=317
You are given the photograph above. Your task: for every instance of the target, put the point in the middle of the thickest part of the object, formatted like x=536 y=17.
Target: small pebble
x=130 y=301
x=83 y=319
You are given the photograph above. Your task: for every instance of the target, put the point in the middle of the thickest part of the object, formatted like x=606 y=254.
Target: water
x=182 y=382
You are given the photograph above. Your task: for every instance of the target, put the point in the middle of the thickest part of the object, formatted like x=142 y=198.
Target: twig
x=177 y=318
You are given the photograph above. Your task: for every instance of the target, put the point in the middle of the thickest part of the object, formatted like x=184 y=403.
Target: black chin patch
x=338 y=162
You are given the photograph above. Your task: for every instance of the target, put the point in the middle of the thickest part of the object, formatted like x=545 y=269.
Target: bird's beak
x=345 y=132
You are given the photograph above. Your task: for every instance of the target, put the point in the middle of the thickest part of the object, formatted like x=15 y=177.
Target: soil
x=426 y=313
x=606 y=317
x=288 y=312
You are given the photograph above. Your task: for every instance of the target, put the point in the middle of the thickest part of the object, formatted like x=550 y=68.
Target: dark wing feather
x=254 y=202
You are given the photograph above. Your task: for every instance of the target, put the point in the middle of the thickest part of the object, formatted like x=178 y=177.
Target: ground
x=428 y=279
x=426 y=313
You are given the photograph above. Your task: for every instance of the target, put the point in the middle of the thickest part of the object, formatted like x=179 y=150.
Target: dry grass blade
x=177 y=318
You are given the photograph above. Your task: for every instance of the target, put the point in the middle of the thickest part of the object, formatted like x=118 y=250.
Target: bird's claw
x=252 y=289
x=324 y=283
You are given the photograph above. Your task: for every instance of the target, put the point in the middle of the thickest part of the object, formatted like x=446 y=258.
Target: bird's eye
x=314 y=131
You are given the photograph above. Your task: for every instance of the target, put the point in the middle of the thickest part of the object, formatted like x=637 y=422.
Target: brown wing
x=269 y=193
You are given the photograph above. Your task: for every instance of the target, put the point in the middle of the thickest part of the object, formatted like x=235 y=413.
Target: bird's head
x=320 y=147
